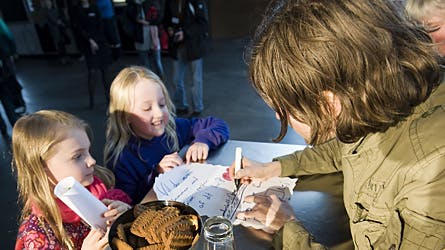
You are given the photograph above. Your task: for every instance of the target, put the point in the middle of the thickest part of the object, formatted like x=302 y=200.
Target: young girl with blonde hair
x=47 y=147
x=143 y=135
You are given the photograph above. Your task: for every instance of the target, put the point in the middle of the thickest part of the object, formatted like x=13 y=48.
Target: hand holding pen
x=253 y=169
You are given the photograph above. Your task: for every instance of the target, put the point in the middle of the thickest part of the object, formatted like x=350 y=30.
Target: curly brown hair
x=378 y=66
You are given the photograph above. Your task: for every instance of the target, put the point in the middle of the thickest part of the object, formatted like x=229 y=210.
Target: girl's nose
x=157 y=111
x=90 y=161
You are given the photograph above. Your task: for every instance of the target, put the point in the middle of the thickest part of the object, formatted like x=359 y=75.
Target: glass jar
x=218 y=234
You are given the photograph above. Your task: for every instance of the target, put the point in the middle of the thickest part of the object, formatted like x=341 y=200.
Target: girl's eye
x=147 y=109
x=77 y=156
x=431 y=29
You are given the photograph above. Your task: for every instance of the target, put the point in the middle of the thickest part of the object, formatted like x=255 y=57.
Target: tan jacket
x=394 y=183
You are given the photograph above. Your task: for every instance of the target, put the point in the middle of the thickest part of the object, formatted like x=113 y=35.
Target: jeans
x=179 y=67
x=152 y=60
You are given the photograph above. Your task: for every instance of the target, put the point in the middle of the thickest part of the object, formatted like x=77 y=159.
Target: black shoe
x=181 y=112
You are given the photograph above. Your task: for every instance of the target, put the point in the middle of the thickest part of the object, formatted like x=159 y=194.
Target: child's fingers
x=188 y=155
x=116 y=208
x=176 y=161
x=95 y=234
x=103 y=242
x=197 y=153
x=107 y=201
x=205 y=154
x=112 y=212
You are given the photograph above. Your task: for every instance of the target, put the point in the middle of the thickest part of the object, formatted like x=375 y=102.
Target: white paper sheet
x=82 y=202
x=202 y=187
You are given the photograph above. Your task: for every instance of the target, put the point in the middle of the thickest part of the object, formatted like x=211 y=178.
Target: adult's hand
x=268 y=210
x=253 y=169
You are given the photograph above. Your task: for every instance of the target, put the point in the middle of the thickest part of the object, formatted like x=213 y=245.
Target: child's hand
x=115 y=209
x=169 y=162
x=198 y=151
x=96 y=239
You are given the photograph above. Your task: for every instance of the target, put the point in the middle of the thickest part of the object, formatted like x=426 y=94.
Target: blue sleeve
x=209 y=130
x=133 y=176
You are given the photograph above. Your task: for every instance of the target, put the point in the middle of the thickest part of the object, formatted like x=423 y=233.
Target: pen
x=238 y=164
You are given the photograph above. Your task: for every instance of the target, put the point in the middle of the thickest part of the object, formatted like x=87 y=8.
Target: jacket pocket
x=375 y=228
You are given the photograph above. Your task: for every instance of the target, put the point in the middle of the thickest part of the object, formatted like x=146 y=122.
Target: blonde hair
x=121 y=101
x=418 y=10
x=378 y=66
x=33 y=139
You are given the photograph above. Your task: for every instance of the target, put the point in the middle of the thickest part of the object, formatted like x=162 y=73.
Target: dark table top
x=317 y=199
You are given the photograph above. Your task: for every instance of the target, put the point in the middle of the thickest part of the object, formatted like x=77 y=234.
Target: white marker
x=238 y=159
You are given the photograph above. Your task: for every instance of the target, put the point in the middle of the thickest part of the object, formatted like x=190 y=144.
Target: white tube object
x=82 y=202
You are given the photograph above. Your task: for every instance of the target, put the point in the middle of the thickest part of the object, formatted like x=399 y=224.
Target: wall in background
x=235 y=18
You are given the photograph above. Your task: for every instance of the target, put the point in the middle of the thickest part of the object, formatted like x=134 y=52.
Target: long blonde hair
x=121 y=101
x=33 y=139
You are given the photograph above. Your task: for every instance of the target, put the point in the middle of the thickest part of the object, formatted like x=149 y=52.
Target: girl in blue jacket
x=144 y=136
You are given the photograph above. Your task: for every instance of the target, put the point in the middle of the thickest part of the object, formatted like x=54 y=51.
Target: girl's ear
x=333 y=101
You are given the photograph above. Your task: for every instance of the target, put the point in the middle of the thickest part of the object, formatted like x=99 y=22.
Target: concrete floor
x=48 y=85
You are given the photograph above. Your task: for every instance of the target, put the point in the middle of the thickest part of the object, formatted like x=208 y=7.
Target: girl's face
x=435 y=25
x=72 y=158
x=149 y=114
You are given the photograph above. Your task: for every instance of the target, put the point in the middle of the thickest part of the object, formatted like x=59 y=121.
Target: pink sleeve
x=117 y=194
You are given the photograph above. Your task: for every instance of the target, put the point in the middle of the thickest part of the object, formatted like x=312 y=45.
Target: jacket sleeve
x=321 y=159
x=210 y=130
x=293 y=236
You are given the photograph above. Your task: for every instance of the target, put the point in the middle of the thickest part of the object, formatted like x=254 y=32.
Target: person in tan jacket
x=362 y=86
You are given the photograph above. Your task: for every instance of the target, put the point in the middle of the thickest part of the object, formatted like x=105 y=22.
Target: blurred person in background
x=56 y=21
x=145 y=16
x=106 y=11
x=187 y=25
x=88 y=26
x=10 y=89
